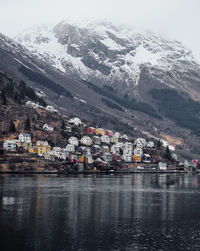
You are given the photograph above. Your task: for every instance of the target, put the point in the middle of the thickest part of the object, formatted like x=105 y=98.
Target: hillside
x=126 y=80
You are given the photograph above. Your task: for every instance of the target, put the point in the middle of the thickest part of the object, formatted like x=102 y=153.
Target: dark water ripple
x=128 y=212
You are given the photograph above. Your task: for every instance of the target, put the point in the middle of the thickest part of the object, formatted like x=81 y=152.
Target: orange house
x=136 y=159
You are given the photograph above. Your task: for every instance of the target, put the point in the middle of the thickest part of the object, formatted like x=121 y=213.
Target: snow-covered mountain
x=103 y=52
x=113 y=75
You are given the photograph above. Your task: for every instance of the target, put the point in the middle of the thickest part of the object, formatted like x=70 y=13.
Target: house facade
x=105 y=139
x=73 y=141
x=100 y=131
x=70 y=148
x=116 y=135
x=107 y=157
x=127 y=152
x=96 y=140
x=115 y=149
x=76 y=121
x=42 y=149
x=150 y=144
x=127 y=158
x=9 y=145
x=109 y=133
x=113 y=140
x=91 y=130
x=50 y=156
x=141 y=141
x=25 y=137
x=85 y=140
x=105 y=149
x=48 y=128
x=138 y=152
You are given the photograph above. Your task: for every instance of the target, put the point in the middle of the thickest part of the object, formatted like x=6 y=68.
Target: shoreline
x=102 y=172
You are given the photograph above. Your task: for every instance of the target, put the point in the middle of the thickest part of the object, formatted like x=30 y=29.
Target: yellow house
x=42 y=149
x=113 y=140
x=100 y=131
x=33 y=149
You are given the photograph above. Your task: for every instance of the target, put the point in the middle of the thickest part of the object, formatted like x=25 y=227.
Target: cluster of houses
x=92 y=145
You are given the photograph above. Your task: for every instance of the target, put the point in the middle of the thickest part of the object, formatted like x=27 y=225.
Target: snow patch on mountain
x=102 y=50
x=143 y=56
x=111 y=44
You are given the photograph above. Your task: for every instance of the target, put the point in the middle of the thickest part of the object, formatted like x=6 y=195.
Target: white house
x=73 y=141
x=31 y=104
x=68 y=129
x=61 y=155
x=50 y=108
x=89 y=159
x=88 y=150
x=116 y=135
x=128 y=152
x=139 y=145
x=9 y=145
x=85 y=140
x=97 y=140
x=107 y=157
x=162 y=166
x=125 y=137
x=63 y=150
x=120 y=144
x=43 y=143
x=105 y=139
x=128 y=146
x=56 y=150
x=85 y=150
x=186 y=164
x=50 y=156
x=105 y=149
x=75 y=121
x=48 y=128
x=138 y=152
x=115 y=149
x=25 y=137
x=127 y=158
x=70 y=148
x=150 y=144
x=140 y=141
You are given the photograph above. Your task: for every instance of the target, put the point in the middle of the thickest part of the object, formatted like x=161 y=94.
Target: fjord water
x=103 y=212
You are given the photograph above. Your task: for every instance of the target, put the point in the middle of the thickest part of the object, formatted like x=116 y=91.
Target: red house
x=91 y=130
x=196 y=163
x=109 y=133
x=116 y=158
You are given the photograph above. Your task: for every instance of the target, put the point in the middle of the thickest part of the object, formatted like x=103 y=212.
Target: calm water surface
x=105 y=212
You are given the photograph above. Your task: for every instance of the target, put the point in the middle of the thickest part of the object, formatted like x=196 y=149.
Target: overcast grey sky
x=176 y=19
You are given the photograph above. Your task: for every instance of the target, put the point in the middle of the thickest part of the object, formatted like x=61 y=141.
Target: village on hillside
x=86 y=149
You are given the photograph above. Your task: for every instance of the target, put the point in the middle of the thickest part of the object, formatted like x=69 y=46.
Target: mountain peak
x=108 y=52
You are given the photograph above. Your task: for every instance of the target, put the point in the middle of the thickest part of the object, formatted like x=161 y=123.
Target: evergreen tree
x=159 y=144
x=9 y=89
x=27 y=125
x=167 y=154
x=12 y=127
x=63 y=125
x=3 y=97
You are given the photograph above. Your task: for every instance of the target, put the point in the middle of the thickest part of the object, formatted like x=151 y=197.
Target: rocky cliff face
x=105 y=53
